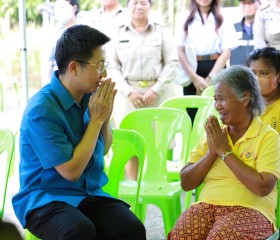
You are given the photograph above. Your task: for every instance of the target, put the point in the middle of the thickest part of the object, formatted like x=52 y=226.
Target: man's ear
x=73 y=67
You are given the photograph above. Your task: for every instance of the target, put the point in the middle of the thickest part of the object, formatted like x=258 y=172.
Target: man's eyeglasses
x=102 y=67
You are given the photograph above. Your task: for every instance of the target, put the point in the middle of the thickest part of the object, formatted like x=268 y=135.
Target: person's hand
x=200 y=84
x=149 y=97
x=216 y=137
x=111 y=107
x=101 y=102
x=136 y=98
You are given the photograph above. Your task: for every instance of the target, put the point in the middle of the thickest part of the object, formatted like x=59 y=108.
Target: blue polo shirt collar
x=64 y=97
x=61 y=92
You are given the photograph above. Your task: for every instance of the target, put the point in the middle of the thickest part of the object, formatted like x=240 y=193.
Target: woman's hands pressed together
x=216 y=137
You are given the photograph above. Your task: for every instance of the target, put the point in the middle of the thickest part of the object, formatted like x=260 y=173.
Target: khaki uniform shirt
x=103 y=21
x=150 y=56
x=266 y=27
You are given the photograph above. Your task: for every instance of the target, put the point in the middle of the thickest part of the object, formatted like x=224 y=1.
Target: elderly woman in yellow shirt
x=239 y=165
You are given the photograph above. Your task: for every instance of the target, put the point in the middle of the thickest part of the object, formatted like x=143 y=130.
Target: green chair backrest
x=7 y=144
x=209 y=91
x=205 y=107
x=158 y=126
x=126 y=144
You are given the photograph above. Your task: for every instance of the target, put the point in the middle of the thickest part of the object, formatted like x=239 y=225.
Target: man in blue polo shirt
x=244 y=32
x=64 y=135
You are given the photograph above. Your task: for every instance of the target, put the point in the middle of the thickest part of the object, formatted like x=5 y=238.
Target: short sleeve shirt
x=259 y=148
x=204 y=38
x=52 y=126
x=266 y=27
x=149 y=55
x=271 y=115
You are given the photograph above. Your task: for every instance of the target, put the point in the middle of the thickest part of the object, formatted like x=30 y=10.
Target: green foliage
x=88 y=4
x=11 y=7
x=33 y=14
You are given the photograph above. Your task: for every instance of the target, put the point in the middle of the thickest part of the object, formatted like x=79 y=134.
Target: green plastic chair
x=126 y=144
x=158 y=126
x=7 y=144
x=204 y=105
x=209 y=91
x=276 y=235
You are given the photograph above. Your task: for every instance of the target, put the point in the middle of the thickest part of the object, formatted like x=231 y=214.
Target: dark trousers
x=96 y=218
x=203 y=69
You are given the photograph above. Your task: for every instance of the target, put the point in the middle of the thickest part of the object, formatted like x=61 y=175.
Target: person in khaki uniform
x=143 y=61
x=266 y=25
x=110 y=15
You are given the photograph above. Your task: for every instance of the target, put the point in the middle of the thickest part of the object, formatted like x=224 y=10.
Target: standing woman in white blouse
x=211 y=37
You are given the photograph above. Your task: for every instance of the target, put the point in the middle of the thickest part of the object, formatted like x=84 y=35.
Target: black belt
x=214 y=56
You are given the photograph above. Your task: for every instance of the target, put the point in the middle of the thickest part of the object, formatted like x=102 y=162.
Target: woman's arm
x=220 y=62
x=198 y=81
x=260 y=183
x=192 y=174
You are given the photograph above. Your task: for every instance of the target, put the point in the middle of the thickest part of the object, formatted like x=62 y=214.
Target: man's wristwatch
x=224 y=155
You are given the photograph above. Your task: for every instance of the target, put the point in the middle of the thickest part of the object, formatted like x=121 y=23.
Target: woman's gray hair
x=241 y=79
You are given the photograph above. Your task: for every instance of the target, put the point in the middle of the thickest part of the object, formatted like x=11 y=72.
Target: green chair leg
x=29 y=236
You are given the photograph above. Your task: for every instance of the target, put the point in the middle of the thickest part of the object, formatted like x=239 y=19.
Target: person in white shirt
x=65 y=12
x=212 y=38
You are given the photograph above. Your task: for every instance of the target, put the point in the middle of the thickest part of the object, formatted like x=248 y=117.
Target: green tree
x=11 y=7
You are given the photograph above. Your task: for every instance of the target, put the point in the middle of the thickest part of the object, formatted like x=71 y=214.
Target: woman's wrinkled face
x=230 y=108
x=267 y=76
x=139 y=9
